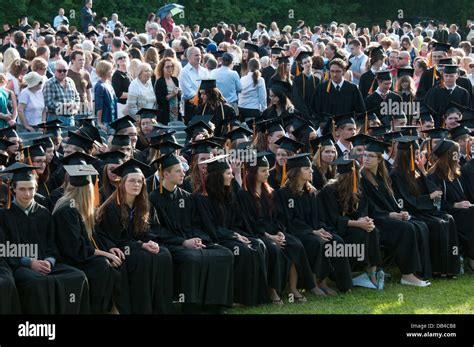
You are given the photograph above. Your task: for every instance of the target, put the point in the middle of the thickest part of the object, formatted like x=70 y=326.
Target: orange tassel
x=412 y=159
x=366 y=122
x=328 y=89
x=468 y=150
x=297 y=70
x=244 y=178
x=161 y=180
x=435 y=76
x=118 y=196
x=354 y=178
x=96 y=192
x=9 y=195
x=30 y=163
x=283 y=176
x=326 y=75
x=195 y=100
x=371 y=89
x=428 y=148
x=430 y=60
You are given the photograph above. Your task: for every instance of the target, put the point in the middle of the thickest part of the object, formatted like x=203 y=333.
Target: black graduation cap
x=379 y=131
x=409 y=130
x=303 y=55
x=438 y=133
x=405 y=71
x=467 y=122
x=360 y=139
x=303 y=129
x=277 y=50
x=251 y=47
x=218 y=163
x=148 y=113
x=443 y=146
x=79 y=140
x=262 y=160
x=440 y=46
x=77 y=158
x=344 y=165
x=147 y=46
x=299 y=160
x=373 y=145
x=344 y=119
x=33 y=151
x=204 y=146
x=377 y=52
x=293 y=119
x=426 y=116
x=218 y=54
x=86 y=118
x=92 y=32
x=166 y=161
x=459 y=131
x=9 y=132
x=62 y=34
x=21 y=172
x=451 y=69
x=272 y=125
x=91 y=132
x=158 y=137
x=80 y=175
x=4 y=144
x=405 y=142
x=283 y=60
x=43 y=140
x=114 y=157
x=195 y=128
x=282 y=86
x=289 y=144
x=166 y=147
x=238 y=133
x=446 y=61
x=130 y=166
x=208 y=84
x=393 y=135
x=385 y=75
x=325 y=140
x=121 y=140
x=123 y=123
x=232 y=123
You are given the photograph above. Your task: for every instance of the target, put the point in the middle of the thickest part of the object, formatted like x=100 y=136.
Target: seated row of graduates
x=246 y=247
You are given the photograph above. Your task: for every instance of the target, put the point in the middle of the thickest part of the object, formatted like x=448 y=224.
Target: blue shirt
x=228 y=83
x=105 y=101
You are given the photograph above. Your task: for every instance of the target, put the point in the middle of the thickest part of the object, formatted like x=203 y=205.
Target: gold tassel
x=297 y=70
x=354 y=178
x=428 y=148
x=328 y=89
x=468 y=150
x=96 y=192
x=371 y=89
x=161 y=179
x=244 y=178
x=326 y=75
x=412 y=159
x=30 y=163
x=283 y=175
x=366 y=123
x=435 y=77
x=118 y=196
x=9 y=195
x=430 y=59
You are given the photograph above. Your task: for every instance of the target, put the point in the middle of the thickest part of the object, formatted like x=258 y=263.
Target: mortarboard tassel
x=326 y=75
x=9 y=195
x=96 y=192
x=430 y=60
x=244 y=177
x=428 y=148
x=412 y=159
x=297 y=70
x=468 y=150
x=320 y=154
x=118 y=196
x=435 y=76
x=371 y=89
x=283 y=175
x=366 y=123
x=161 y=179
x=354 y=178
x=30 y=163
x=195 y=100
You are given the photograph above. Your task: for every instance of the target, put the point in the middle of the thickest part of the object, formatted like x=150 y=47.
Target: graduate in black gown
x=203 y=270
x=368 y=83
x=346 y=212
x=325 y=153
x=220 y=217
x=45 y=286
x=418 y=194
x=287 y=147
x=337 y=96
x=304 y=87
x=467 y=173
x=9 y=300
x=401 y=234
x=111 y=160
x=127 y=226
x=73 y=219
x=447 y=176
x=36 y=156
x=300 y=211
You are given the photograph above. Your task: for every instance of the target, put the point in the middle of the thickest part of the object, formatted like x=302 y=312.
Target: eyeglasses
x=40 y=161
x=61 y=71
x=169 y=67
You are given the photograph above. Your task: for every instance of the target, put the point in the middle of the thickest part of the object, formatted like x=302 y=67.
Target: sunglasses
x=122 y=58
x=62 y=71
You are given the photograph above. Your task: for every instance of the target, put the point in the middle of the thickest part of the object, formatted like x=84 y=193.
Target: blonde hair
x=83 y=198
x=142 y=68
x=103 y=67
x=38 y=63
x=133 y=68
x=10 y=55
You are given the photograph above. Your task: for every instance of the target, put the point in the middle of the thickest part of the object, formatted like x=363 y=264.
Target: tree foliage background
x=207 y=13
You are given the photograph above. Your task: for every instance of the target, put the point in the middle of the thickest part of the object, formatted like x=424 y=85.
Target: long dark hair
x=220 y=196
x=267 y=191
x=381 y=171
x=402 y=163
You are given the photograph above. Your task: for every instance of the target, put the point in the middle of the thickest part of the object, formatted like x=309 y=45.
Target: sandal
x=300 y=299
x=277 y=302
x=328 y=291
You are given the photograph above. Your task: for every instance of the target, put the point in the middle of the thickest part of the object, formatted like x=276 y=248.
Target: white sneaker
x=421 y=284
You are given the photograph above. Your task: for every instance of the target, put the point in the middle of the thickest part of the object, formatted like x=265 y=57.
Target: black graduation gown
x=267 y=74
x=318 y=181
x=301 y=214
x=9 y=300
x=259 y=219
x=338 y=222
x=464 y=217
x=467 y=173
x=147 y=278
x=365 y=83
x=55 y=196
x=202 y=276
x=408 y=240
x=43 y=294
x=78 y=250
x=443 y=236
x=226 y=112
x=220 y=223
x=303 y=99
x=438 y=99
x=348 y=99
x=375 y=100
x=426 y=83
x=273 y=181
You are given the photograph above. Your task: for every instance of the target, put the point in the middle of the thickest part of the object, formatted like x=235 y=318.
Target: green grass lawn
x=443 y=296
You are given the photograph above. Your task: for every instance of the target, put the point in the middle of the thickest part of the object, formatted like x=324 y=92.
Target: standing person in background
x=141 y=93
x=121 y=80
x=104 y=95
x=87 y=16
x=167 y=92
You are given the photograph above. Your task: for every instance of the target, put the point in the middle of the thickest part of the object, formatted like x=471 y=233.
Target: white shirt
x=335 y=85
x=343 y=148
x=34 y=102
x=140 y=96
x=189 y=80
x=390 y=160
x=253 y=97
